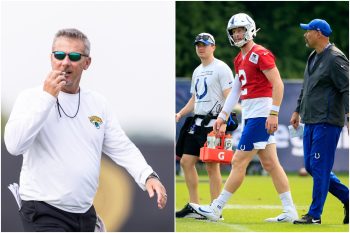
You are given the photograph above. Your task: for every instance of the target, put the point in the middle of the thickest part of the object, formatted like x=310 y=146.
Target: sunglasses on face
x=73 y=56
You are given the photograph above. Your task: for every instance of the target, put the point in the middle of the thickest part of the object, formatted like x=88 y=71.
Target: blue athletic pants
x=320 y=142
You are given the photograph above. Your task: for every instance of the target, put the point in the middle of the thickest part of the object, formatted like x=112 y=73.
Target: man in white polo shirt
x=211 y=84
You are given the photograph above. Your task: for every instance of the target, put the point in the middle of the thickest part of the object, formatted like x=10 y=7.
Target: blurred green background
x=280 y=31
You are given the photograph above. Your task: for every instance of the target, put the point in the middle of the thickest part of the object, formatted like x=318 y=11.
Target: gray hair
x=73 y=33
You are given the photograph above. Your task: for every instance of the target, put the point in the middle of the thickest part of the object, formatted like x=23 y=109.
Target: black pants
x=40 y=216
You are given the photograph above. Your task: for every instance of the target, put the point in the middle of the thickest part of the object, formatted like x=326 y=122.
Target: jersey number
x=243 y=81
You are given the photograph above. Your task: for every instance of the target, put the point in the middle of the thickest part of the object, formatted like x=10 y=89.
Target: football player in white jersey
x=258 y=84
x=211 y=84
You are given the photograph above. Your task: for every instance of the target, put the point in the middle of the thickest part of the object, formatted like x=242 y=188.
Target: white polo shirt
x=208 y=84
x=62 y=155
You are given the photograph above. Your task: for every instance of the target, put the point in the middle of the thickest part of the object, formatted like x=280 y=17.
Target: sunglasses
x=203 y=37
x=73 y=56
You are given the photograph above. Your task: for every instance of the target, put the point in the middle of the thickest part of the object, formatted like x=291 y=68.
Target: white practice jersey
x=208 y=84
x=62 y=155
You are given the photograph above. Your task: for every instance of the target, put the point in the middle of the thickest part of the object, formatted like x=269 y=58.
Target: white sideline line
x=270 y=207
x=235 y=227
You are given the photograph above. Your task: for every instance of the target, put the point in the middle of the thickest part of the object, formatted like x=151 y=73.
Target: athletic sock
x=287 y=201
x=222 y=199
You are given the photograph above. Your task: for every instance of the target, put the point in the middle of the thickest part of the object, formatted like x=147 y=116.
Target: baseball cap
x=319 y=25
x=205 y=38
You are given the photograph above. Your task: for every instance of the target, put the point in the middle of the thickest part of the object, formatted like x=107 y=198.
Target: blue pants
x=320 y=142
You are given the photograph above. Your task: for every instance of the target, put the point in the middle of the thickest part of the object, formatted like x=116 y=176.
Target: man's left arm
x=274 y=78
x=153 y=185
x=340 y=78
x=123 y=152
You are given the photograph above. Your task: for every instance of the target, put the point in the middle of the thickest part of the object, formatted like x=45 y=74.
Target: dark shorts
x=193 y=142
x=40 y=216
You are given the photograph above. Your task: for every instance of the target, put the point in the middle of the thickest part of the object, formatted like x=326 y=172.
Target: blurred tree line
x=280 y=31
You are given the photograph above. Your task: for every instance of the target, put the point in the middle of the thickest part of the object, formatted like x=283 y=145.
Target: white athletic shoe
x=195 y=216
x=286 y=216
x=187 y=212
x=209 y=211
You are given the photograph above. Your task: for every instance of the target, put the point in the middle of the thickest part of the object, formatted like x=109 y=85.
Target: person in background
x=211 y=84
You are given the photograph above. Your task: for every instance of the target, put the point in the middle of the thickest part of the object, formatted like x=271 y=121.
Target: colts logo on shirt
x=254 y=58
x=96 y=121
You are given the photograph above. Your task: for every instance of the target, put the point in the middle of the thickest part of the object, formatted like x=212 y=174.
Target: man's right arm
x=297 y=109
x=230 y=102
x=231 y=99
x=30 y=112
x=189 y=107
x=295 y=119
x=28 y=115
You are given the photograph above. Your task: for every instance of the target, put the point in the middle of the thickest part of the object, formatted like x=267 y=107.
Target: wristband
x=272 y=113
x=275 y=108
x=153 y=175
x=223 y=116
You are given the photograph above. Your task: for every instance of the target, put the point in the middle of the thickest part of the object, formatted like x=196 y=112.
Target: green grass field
x=256 y=200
